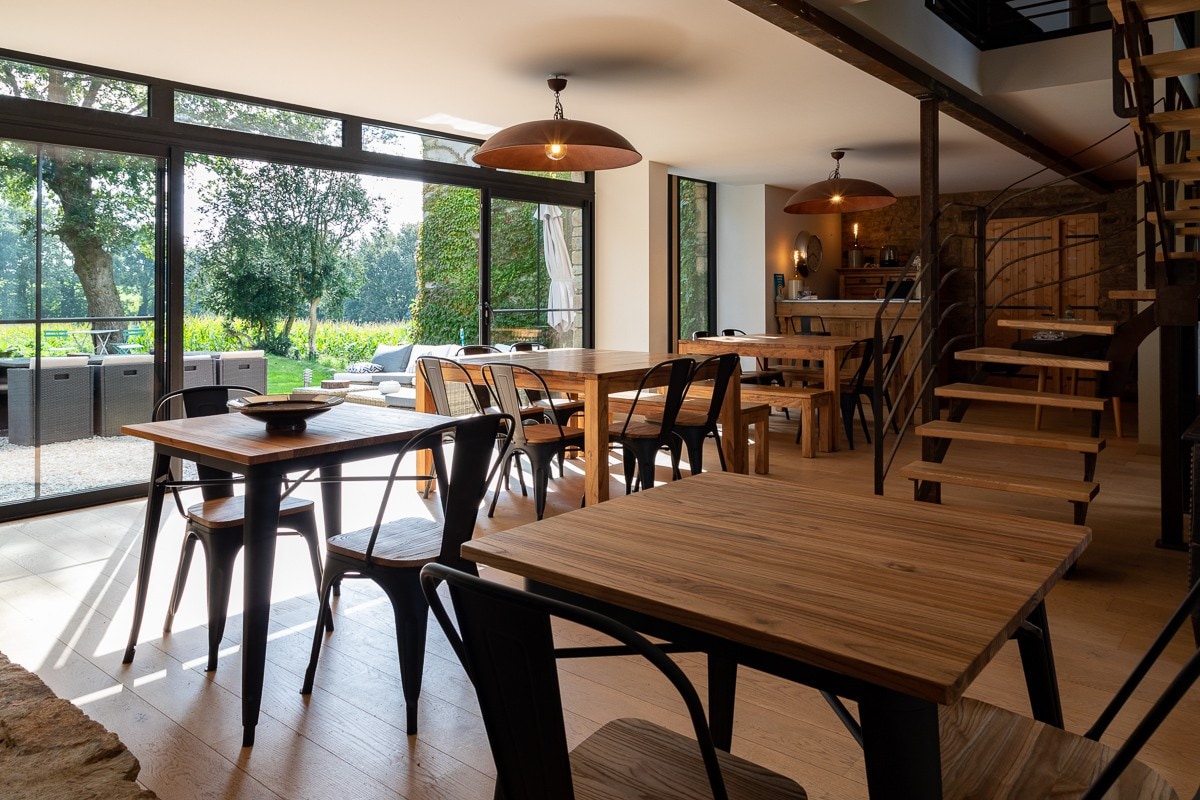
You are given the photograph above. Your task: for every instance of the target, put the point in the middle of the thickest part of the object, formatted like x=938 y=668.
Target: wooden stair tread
x=1004 y=355
x=1153 y=9
x=1139 y=294
x=1101 y=326
x=1029 y=397
x=944 y=429
x=1167 y=64
x=1023 y=483
x=1183 y=119
x=1183 y=171
x=1177 y=216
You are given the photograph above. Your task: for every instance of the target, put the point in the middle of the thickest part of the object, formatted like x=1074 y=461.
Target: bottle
x=462 y=338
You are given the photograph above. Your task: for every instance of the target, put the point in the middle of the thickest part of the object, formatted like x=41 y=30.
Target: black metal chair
x=640 y=440
x=540 y=441
x=505 y=642
x=476 y=350
x=764 y=374
x=518 y=347
x=217 y=522
x=696 y=422
x=392 y=553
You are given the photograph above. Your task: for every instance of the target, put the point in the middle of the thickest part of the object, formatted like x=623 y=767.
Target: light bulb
x=837 y=198
x=556 y=151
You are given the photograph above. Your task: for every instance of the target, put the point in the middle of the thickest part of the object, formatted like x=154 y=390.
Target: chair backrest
x=505 y=642
x=518 y=347
x=474 y=438
x=733 y=332
x=807 y=323
x=863 y=350
x=724 y=365
x=455 y=398
x=205 y=401
x=678 y=373
x=700 y=335
x=476 y=350
x=502 y=379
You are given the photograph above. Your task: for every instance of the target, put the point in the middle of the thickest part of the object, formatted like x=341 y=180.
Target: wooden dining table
x=799 y=347
x=242 y=445
x=593 y=374
x=894 y=604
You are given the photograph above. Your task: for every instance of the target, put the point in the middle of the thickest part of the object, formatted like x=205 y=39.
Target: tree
x=280 y=244
x=389 y=261
x=105 y=201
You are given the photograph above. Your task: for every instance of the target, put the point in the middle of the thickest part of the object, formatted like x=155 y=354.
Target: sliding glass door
x=535 y=274
x=79 y=240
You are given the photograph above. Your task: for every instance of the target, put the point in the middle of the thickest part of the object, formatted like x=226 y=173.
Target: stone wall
x=899 y=224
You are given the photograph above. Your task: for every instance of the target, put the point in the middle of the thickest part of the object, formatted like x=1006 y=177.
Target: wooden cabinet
x=862 y=284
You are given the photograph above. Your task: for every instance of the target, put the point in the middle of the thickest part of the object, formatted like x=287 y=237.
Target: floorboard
x=66 y=603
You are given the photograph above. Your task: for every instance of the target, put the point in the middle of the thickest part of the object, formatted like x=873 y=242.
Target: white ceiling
x=703 y=86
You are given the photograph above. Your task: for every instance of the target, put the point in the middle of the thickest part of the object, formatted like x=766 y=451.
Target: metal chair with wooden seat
x=541 y=441
x=640 y=438
x=217 y=522
x=763 y=373
x=392 y=553
x=505 y=641
x=696 y=421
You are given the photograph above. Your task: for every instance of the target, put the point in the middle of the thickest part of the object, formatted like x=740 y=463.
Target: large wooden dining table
x=894 y=604
x=594 y=374
x=241 y=445
x=799 y=347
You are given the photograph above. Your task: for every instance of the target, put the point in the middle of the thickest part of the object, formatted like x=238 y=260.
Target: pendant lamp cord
x=558 y=112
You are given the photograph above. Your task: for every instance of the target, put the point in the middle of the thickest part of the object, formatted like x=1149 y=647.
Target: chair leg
x=306 y=525
x=501 y=478
x=848 y=418
x=331 y=575
x=541 y=479
x=181 y=573
x=694 y=439
x=720 y=451
x=411 y=610
x=645 y=464
x=862 y=417
x=629 y=462
x=221 y=552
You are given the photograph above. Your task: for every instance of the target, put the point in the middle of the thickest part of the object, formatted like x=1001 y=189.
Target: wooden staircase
x=1154 y=76
x=929 y=476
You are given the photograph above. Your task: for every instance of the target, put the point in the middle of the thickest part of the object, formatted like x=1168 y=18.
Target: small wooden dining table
x=894 y=604
x=594 y=374
x=800 y=347
x=241 y=445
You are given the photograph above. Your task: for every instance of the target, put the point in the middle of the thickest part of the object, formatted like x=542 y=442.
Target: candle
x=854 y=228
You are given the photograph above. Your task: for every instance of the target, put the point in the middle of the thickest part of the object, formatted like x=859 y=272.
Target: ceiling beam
x=816 y=27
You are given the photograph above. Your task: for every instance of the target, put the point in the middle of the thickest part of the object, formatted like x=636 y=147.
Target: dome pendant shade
x=557 y=145
x=588 y=147
x=839 y=195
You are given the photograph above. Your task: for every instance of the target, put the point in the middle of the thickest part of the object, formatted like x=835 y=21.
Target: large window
x=693 y=247
x=190 y=230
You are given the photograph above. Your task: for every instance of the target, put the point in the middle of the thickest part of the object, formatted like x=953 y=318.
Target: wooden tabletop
x=913 y=597
x=575 y=362
x=238 y=439
x=767 y=345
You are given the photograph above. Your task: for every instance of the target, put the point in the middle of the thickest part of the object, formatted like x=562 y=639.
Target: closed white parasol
x=561 y=315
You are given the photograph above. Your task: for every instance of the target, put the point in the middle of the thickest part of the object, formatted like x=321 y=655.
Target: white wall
x=741 y=248
x=631 y=258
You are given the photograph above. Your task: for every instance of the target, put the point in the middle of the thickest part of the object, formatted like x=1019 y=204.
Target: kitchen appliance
x=889 y=256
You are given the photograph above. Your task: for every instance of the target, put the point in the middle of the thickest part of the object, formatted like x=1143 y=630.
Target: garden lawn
x=286 y=374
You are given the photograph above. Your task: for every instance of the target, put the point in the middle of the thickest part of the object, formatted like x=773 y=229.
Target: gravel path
x=66 y=467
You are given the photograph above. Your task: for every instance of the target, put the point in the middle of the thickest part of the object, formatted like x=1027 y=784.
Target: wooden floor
x=65 y=608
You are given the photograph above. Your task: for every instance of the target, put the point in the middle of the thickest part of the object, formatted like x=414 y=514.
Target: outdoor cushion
x=143 y=358
x=392 y=358
x=243 y=354
x=362 y=367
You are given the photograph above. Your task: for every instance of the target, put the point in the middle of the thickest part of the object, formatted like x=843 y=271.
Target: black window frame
x=674 y=254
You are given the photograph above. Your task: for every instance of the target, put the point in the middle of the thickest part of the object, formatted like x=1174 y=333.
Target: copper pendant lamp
x=839 y=195
x=557 y=145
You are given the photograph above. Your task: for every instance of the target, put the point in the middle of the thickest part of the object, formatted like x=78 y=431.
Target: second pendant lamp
x=838 y=195
x=557 y=145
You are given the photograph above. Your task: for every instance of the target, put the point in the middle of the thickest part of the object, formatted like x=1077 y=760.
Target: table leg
x=331 y=507
x=154 y=503
x=595 y=440
x=424 y=404
x=734 y=442
x=259 y=530
x=901 y=746
x=722 y=690
x=1037 y=661
x=833 y=383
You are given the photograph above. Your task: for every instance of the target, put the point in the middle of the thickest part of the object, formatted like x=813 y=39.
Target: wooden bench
x=807 y=399
x=1079 y=493
x=756 y=415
